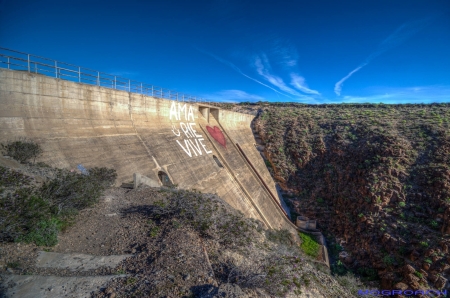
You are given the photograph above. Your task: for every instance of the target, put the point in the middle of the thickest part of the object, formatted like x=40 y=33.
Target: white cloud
x=263 y=69
x=399 y=36
x=299 y=83
x=417 y=94
x=338 y=85
x=285 y=52
x=237 y=69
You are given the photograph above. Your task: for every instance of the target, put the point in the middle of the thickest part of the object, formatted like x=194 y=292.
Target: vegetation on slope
x=377 y=179
x=33 y=212
x=195 y=231
x=242 y=256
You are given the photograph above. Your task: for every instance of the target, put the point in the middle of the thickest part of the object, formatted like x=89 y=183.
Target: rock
x=414 y=255
x=230 y=291
x=109 y=291
x=429 y=252
x=343 y=255
x=440 y=282
x=444 y=247
x=424 y=273
x=433 y=277
x=386 y=280
x=401 y=286
x=408 y=269
x=415 y=285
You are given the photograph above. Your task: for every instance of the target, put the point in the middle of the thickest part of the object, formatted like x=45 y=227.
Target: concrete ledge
x=33 y=286
x=141 y=179
x=76 y=261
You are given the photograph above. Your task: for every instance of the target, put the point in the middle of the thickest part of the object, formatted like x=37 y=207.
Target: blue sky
x=395 y=51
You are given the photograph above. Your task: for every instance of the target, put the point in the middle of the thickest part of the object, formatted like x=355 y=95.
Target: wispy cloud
x=285 y=52
x=338 y=85
x=234 y=96
x=417 y=94
x=299 y=82
x=399 y=36
x=263 y=68
x=237 y=69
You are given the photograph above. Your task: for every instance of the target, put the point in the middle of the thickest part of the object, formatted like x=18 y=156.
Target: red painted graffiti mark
x=217 y=135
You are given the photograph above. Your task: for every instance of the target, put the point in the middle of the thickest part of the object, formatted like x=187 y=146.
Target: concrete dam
x=191 y=144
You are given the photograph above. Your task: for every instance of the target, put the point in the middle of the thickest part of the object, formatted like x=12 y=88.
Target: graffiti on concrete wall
x=193 y=143
x=217 y=134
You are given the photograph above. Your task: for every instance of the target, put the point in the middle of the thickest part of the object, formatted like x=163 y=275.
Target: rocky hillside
x=376 y=178
x=169 y=242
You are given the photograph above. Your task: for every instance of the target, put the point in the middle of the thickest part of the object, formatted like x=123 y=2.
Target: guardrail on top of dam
x=16 y=60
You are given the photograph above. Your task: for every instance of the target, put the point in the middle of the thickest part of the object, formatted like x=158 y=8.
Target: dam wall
x=193 y=145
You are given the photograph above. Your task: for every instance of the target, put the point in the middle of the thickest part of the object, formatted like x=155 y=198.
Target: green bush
x=350 y=281
x=11 y=178
x=104 y=176
x=200 y=212
x=37 y=215
x=309 y=245
x=338 y=268
x=367 y=274
x=282 y=236
x=71 y=191
x=45 y=233
x=22 y=150
x=20 y=212
x=388 y=260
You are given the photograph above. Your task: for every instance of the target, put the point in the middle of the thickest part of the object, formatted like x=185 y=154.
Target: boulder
x=440 y=282
x=408 y=269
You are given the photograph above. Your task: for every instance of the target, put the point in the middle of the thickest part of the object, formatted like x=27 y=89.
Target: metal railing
x=16 y=60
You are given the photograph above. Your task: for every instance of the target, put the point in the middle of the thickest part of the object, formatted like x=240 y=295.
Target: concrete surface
x=34 y=286
x=98 y=127
x=76 y=261
x=139 y=179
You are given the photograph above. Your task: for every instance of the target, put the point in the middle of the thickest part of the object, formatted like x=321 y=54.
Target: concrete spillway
x=195 y=146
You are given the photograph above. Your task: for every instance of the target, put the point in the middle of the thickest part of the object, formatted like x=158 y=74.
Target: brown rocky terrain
x=174 y=243
x=376 y=178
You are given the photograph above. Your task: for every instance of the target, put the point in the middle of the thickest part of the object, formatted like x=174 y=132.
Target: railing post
x=141 y=88
x=115 y=82
x=79 y=74
x=98 y=78
x=8 y=62
x=28 y=55
x=169 y=94
x=35 y=67
x=162 y=96
x=152 y=90
x=56 y=68
x=129 y=86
